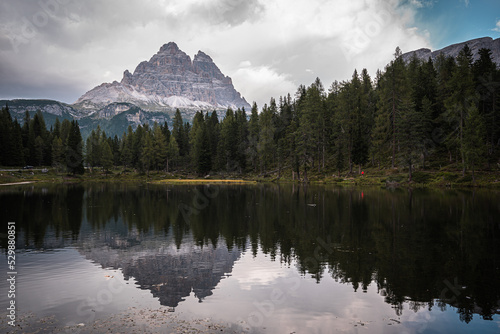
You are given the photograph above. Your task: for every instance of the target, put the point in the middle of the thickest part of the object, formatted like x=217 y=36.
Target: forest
x=414 y=115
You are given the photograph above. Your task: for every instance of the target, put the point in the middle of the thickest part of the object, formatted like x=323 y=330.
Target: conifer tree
x=17 y=145
x=253 y=138
x=106 y=157
x=266 y=147
x=461 y=98
x=241 y=138
x=202 y=151
x=147 y=152
x=474 y=134
x=39 y=148
x=127 y=147
x=74 y=155
x=393 y=87
x=58 y=158
x=160 y=147
x=411 y=134
x=172 y=152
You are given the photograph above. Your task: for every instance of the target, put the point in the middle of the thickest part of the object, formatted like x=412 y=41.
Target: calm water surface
x=264 y=258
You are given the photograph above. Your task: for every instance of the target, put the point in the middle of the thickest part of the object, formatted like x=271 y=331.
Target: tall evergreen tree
x=74 y=155
x=172 y=152
x=201 y=149
x=253 y=138
x=266 y=146
x=159 y=147
x=106 y=157
x=241 y=138
x=411 y=134
x=147 y=152
x=17 y=157
x=474 y=133
x=393 y=88
x=461 y=98
x=58 y=158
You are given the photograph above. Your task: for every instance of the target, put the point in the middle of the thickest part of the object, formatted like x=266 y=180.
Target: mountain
x=452 y=50
x=168 y=80
x=20 y=106
x=50 y=110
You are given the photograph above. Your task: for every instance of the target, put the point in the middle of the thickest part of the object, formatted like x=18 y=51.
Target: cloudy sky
x=59 y=49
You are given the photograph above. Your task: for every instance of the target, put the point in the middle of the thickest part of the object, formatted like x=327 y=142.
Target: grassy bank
x=445 y=177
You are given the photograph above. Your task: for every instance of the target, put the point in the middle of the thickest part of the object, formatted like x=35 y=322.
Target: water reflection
x=422 y=248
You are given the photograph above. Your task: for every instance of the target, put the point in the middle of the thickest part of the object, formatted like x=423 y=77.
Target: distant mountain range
x=170 y=80
x=452 y=50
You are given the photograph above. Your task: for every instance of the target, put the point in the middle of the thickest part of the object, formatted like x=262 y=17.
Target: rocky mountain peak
x=202 y=57
x=169 y=47
x=170 y=79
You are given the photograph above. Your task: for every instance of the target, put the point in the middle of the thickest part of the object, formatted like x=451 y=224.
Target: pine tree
x=266 y=147
x=253 y=138
x=227 y=146
x=106 y=157
x=460 y=100
x=57 y=153
x=160 y=147
x=197 y=124
x=202 y=151
x=487 y=86
x=5 y=137
x=178 y=132
x=241 y=138
x=393 y=88
x=17 y=158
x=38 y=158
x=74 y=155
x=213 y=131
x=127 y=146
x=147 y=153
x=137 y=146
x=474 y=133
x=172 y=152
x=411 y=134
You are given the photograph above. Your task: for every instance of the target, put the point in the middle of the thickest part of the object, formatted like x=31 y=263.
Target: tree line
x=414 y=114
x=32 y=144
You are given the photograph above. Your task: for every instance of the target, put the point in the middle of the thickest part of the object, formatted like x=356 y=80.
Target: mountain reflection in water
x=421 y=248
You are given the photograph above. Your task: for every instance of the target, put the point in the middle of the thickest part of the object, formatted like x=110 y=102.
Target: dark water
x=272 y=259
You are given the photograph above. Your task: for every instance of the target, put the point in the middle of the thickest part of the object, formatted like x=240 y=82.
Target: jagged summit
x=169 y=79
x=452 y=50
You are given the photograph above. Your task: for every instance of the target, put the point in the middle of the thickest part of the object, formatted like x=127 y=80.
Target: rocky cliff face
x=169 y=79
x=452 y=51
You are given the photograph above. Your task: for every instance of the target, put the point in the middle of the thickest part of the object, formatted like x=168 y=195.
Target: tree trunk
x=461 y=141
x=409 y=172
x=473 y=176
x=393 y=129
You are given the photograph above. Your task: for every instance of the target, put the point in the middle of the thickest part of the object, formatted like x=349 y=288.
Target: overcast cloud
x=59 y=49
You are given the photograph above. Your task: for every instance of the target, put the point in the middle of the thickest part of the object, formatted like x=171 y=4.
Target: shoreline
x=388 y=178
x=16 y=183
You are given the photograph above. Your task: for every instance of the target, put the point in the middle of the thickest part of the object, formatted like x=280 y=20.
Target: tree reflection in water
x=425 y=248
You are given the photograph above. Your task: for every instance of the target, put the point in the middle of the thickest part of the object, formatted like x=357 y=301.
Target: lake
x=252 y=259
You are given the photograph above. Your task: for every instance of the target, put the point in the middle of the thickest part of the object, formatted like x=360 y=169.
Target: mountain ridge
x=453 y=50
x=169 y=79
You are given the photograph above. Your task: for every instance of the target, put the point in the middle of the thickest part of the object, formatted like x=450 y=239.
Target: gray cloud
x=59 y=49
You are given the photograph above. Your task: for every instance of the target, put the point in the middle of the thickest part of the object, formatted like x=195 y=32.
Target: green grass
x=388 y=177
